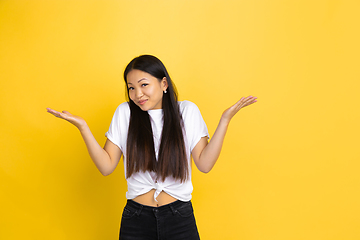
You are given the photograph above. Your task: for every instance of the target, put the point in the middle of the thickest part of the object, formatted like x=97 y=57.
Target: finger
x=249 y=98
x=58 y=114
x=53 y=112
x=247 y=101
x=244 y=100
x=67 y=114
x=239 y=102
x=250 y=101
x=50 y=110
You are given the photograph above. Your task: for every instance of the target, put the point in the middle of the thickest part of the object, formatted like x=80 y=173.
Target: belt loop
x=139 y=211
x=173 y=209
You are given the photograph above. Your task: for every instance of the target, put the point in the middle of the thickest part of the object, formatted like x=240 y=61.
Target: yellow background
x=289 y=168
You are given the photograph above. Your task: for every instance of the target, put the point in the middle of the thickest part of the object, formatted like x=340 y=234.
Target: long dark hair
x=140 y=151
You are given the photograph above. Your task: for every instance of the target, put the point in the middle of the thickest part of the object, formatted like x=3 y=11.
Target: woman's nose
x=138 y=93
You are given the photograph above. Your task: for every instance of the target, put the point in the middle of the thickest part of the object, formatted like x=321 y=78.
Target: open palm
x=243 y=102
x=75 y=120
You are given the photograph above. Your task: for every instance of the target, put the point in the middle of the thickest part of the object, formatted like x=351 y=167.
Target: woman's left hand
x=206 y=154
x=243 y=102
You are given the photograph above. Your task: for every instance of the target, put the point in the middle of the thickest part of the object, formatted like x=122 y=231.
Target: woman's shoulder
x=185 y=105
x=123 y=109
x=188 y=108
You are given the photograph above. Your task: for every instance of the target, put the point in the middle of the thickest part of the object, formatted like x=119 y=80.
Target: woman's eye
x=130 y=88
x=144 y=84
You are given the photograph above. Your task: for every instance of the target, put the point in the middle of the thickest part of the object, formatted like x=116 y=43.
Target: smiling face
x=145 y=90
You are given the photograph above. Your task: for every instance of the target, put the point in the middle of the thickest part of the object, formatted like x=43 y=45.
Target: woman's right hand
x=75 y=120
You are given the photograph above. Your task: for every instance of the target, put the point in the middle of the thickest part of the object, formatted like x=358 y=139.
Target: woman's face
x=145 y=90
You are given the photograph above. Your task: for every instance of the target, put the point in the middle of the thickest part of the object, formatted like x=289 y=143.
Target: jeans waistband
x=171 y=206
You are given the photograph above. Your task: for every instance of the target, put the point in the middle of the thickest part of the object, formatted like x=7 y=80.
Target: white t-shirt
x=142 y=182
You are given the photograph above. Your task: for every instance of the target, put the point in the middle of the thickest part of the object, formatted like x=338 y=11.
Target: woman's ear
x=164 y=83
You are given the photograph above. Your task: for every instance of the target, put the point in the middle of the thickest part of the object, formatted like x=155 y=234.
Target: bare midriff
x=148 y=199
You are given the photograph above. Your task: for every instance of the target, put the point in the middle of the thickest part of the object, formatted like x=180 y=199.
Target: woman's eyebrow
x=129 y=83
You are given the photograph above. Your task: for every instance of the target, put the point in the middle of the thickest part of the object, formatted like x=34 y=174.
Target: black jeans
x=174 y=221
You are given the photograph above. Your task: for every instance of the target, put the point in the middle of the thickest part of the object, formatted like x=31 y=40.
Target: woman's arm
x=206 y=154
x=105 y=159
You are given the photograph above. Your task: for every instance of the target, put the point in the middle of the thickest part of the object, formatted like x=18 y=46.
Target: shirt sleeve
x=194 y=123
x=119 y=125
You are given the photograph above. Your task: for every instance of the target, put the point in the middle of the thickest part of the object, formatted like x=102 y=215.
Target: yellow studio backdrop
x=289 y=168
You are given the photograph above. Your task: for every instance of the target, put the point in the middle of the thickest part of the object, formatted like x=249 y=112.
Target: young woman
x=157 y=136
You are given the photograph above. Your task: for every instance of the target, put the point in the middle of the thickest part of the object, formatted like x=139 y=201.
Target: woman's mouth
x=142 y=102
